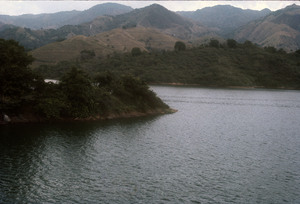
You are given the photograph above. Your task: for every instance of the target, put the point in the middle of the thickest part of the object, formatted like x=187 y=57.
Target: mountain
x=154 y=16
x=280 y=29
x=40 y=20
x=59 y=19
x=104 y=44
x=1 y=26
x=224 y=17
x=110 y=9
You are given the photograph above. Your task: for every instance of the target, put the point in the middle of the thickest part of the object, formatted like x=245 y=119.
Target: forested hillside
x=215 y=64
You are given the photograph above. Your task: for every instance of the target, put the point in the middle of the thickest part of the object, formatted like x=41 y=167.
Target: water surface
x=222 y=146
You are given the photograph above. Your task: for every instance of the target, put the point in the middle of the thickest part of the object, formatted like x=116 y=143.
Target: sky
x=8 y=7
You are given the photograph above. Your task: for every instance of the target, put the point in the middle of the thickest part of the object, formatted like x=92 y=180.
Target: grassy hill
x=103 y=45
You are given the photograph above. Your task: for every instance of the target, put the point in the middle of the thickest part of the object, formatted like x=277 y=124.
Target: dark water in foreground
x=222 y=146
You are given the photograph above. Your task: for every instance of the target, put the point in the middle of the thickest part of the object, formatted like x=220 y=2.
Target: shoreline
x=31 y=118
x=222 y=87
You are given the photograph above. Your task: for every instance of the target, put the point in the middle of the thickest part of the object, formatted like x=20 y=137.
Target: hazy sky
x=35 y=7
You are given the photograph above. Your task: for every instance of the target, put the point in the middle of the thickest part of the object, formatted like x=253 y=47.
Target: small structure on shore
x=54 y=81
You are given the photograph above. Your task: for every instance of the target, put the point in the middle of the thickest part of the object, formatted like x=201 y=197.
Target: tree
x=136 y=51
x=248 y=44
x=214 y=43
x=87 y=55
x=104 y=79
x=179 y=46
x=270 y=49
x=51 y=101
x=78 y=88
x=231 y=43
x=17 y=81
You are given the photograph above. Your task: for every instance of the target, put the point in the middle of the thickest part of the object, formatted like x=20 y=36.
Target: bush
x=136 y=51
x=179 y=46
x=214 y=43
x=231 y=43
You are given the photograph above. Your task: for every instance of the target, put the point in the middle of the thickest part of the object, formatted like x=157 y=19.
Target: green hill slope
x=239 y=65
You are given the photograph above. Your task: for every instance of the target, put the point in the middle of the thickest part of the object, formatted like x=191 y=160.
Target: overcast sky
x=36 y=7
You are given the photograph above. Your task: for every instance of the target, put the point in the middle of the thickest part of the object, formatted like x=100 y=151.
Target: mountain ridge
x=174 y=25
x=58 y=19
x=224 y=17
x=281 y=31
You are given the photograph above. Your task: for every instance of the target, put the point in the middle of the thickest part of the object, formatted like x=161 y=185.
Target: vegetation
x=215 y=64
x=103 y=44
x=76 y=96
x=136 y=51
x=179 y=46
x=17 y=81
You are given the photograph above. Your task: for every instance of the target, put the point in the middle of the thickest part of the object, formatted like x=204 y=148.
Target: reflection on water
x=222 y=146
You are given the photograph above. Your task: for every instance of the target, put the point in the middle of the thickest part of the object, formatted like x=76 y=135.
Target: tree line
x=213 y=64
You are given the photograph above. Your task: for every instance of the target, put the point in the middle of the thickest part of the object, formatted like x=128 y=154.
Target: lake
x=222 y=146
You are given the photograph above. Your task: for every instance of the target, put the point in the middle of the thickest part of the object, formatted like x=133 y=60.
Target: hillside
x=56 y=20
x=225 y=18
x=104 y=44
x=153 y=16
x=280 y=29
x=229 y=64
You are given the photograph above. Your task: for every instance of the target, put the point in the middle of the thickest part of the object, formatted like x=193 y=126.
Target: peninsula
x=26 y=97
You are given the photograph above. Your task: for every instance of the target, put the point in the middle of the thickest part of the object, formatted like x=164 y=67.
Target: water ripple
x=222 y=146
